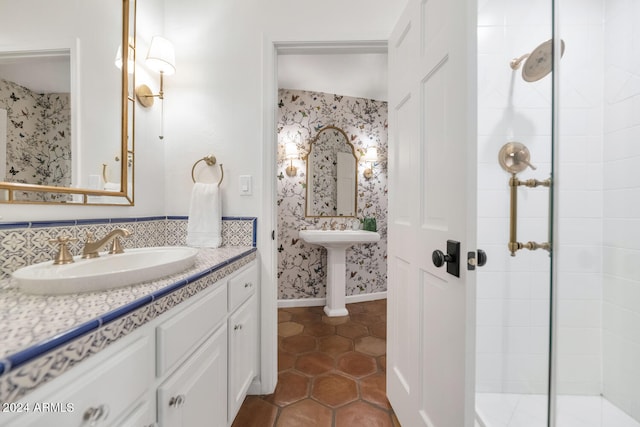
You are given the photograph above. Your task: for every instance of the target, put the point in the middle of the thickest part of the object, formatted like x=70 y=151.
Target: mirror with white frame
x=66 y=113
x=331 y=175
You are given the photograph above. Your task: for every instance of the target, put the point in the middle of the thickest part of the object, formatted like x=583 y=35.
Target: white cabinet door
x=196 y=394
x=432 y=172
x=98 y=392
x=143 y=415
x=243 y=353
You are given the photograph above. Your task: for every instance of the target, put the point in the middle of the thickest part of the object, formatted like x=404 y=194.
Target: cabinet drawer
x=181 y=334
x=243 y=286
x=102 y=394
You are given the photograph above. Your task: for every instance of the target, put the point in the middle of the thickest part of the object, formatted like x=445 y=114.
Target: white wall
x=34 y=23
x=214 y=103
x=358 y=75
x=580 y=208
x=513 y=292
x=215 y=99
x=621 y=157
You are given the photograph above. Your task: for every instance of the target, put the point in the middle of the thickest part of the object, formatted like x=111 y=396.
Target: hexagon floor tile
x=331 y=371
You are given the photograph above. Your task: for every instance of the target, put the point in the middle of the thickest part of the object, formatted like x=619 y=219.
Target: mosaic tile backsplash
x=27 y=243
x=302 y=267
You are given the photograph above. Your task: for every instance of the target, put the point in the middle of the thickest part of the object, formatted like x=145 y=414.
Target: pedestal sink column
x=336 y=242
x=336 y=283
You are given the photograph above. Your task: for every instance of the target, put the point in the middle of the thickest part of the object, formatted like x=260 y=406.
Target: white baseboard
x=319 y=302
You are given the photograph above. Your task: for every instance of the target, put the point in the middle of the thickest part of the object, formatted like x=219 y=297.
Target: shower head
x=538 y=63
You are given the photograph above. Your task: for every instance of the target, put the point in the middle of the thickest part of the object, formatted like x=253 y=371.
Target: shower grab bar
x=514 y=245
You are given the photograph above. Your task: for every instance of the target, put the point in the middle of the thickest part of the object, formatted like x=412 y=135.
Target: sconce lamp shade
x=130 y=62
x=161 y=56
x=290 y=153
x=371 y=155
x=290 y=150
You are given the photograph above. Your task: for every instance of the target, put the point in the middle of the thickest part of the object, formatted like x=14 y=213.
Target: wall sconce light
x=160 y=58
x=291 y=152
x=371 y=156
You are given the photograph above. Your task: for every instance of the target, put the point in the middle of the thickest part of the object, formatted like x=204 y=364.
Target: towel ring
x=210 y=160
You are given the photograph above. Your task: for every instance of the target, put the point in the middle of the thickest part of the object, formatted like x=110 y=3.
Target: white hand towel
x=204 y=228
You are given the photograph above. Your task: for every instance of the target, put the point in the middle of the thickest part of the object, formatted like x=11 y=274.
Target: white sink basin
x=338 y=238
x=337 y=242
x=107 y=272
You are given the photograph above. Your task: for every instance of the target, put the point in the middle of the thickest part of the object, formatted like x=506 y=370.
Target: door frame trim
x=272 y=47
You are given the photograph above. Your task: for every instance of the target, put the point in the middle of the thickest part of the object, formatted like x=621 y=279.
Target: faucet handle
x=63 y=256
x=116 y=246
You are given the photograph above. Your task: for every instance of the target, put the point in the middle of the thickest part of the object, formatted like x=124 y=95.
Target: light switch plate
x=245 y=185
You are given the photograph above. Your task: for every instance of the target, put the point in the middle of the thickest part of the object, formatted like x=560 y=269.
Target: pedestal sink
x=337 y=242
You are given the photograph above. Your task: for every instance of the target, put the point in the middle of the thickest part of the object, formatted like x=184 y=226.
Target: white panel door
x=432 y=171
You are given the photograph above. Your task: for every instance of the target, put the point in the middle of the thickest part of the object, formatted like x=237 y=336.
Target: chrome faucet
x=91 y=247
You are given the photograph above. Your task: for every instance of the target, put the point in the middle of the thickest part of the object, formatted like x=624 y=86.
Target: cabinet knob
x=97 y=414
x=239 y=326
x=177 y=401
x=248 y=285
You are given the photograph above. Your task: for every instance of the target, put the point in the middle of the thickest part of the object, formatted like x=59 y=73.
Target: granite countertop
x=36 y=321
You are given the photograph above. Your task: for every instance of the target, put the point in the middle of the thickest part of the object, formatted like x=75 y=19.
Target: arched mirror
x=331 y=175
x=66 y=102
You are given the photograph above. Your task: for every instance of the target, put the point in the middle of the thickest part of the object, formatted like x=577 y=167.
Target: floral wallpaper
x=302 y=267
x=38 y=138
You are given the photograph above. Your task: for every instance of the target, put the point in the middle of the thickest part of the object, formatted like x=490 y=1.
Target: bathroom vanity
x=181 y=351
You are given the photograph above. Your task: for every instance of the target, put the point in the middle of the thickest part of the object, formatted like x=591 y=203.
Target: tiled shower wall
x=23 y=244
x=302 y=267
x=513 y=292
x=621 y=250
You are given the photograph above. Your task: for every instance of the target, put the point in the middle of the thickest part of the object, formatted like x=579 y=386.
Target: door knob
x=439 y=258
x=482 y=257
x=476 y=260
x=452 y=258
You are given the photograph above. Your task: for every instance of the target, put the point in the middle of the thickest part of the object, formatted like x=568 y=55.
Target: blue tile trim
x=92 y=221
x=169 y=289
x=53 y=223
x=238 y=257
x=22 y=357
x=10 y=225
x=255 y=232
x=125 y=309
x=72 y=222
x=120 y=220
x=151 y=218
x=238 y=218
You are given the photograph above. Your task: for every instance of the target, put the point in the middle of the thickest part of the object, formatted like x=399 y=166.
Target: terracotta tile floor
x=331 y=371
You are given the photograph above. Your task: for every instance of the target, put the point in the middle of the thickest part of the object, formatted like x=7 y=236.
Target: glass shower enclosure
x=558 y=331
